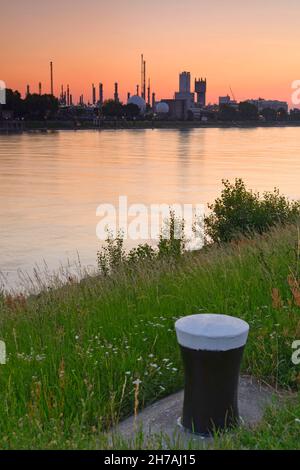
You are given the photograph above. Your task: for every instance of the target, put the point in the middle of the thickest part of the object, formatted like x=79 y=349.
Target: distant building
x=227 y=101
x=185 y=82
x=184 y=92
x=138 y=101
x=178 y=109
x=183 y=106
x=262 y=104
x=162 y=108
x=200 y=90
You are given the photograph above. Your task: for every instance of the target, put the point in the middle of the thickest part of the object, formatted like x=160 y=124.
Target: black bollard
x=212 y=348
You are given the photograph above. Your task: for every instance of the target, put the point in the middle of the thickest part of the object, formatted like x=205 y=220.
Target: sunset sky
x=250 y=45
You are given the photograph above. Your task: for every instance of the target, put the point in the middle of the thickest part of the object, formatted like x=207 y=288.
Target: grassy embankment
x=75 y=351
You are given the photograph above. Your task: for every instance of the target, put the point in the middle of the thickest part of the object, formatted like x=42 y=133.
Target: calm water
x=51 y=184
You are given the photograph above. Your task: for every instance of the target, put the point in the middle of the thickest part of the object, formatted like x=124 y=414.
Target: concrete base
x=162 y=418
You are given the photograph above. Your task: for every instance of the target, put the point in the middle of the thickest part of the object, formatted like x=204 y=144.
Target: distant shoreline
x=39 y=126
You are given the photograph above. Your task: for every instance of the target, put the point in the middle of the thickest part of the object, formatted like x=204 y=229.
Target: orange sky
x=250 y=45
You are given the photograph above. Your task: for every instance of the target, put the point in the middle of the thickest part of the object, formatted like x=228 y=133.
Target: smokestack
x=128 y=95
x=149 y=93
x=144 y=84
x=143 y=77
x=138 y=90
x=93 y=94
x=116 y=96
x=71 y=100
x=101 y=93
x=27 y=90
x=40 y=88
x=51 y=79
x=68 y=95
x=153 y=100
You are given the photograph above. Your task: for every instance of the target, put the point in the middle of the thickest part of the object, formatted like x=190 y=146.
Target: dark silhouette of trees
x=227 y=113
x=115 y=109
x=39 y=107
x=14 y=103
x=269 y=114
x=112 y=108
x=32 y=107
x=295 y=115
x=248 y=111
x=131 y=110
x=282 y=115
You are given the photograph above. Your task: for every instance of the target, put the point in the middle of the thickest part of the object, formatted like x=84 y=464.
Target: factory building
x=262 y=104
x=184 y=92
x=183 y=106
x=200 y=90
x=178 y=109
x=227 y=101
x=138 y=101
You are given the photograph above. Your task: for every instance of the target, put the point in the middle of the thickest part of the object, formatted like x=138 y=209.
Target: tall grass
x=75 y=353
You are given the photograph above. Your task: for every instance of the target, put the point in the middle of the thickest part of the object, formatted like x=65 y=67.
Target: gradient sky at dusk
x=252 y=45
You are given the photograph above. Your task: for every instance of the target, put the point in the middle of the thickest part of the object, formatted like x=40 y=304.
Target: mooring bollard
x=212 y=348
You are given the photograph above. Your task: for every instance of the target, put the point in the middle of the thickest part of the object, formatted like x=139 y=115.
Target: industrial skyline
x=184 y=94
x=251 y=46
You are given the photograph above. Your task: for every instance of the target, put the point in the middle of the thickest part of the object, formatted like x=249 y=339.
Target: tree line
x=33 y=106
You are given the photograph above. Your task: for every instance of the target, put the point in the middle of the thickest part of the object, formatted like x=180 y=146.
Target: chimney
x=51 y=79
x=93 y=94
x=101 y=93
x=149 y=93
x=153 y=100
x=116 y=95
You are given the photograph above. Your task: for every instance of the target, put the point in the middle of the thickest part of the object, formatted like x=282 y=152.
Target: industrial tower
x=143 y=77
x=51 y=79
x=200 y=90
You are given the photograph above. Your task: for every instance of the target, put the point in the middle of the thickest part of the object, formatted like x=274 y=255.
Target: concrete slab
x=161 y=419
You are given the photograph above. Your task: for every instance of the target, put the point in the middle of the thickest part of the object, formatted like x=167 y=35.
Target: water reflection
x=51 y=184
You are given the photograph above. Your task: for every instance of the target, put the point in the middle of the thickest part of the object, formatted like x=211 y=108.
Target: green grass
x=75 y=351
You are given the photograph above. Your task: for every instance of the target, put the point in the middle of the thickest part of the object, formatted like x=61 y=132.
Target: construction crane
x=232 y=94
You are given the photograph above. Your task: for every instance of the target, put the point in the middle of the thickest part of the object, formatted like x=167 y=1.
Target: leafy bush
x=172 y=244
x=172 y=240
x=241 y=212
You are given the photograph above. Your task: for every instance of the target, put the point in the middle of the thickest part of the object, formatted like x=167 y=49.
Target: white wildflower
x=137 y=382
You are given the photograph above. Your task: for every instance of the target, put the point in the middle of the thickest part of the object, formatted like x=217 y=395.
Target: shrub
x=171 y=244
x=242 y=212
x=172 y=240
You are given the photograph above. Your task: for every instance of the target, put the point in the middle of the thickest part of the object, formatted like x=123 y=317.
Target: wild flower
x=40 y=357
x=137 y=382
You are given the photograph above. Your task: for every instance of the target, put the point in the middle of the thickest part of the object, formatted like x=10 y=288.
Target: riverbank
x=69 y=125
x=76 y=352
